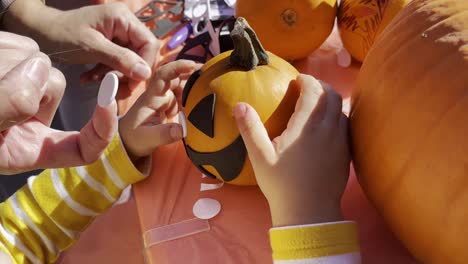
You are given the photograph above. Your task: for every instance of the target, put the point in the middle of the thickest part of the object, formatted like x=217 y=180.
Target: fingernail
x=141 y=70
x=240 y=110
x=175 y=132
x=38 y=72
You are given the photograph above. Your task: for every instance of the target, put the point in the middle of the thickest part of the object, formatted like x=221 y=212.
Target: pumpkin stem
x=248 y=52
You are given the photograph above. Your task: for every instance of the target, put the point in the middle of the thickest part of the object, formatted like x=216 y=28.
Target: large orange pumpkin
x=409 y=124
x=247 y=74
x=291 y=29
x=360 y=22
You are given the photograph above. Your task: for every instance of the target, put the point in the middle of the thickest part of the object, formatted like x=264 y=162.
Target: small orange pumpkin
x=409 y=125
x=289 y=29
x=246 y=74
x=360 y=22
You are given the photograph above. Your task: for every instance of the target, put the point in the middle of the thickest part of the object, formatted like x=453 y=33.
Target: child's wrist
x=307 y=214
x=128 y=148
x=142 y=164
x=139 y=167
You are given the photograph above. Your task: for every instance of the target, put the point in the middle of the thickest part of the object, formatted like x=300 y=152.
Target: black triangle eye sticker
x=202 y=115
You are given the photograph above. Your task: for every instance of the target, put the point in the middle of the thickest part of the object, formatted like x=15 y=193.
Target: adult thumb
x=254 y=134
x=22 y=89
x=121 y=59
x=84 y=147
x=96 y=135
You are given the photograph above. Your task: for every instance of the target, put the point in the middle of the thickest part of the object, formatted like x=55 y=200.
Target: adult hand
x=109 y=34
x=30 y=92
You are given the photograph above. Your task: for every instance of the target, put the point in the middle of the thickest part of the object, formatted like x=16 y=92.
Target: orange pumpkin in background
x=360 y=22
x=290 y=29
x=246 y=74
x=409 y=125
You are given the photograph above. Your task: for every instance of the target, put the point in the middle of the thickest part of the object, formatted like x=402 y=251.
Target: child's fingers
x=334 y=102
x=173 y=108
x=174 y=69
x=147 y=106
x=169 y=72
x=159 y=135
x=310 y=107
x=312 y=102
x=178 y=95
x=185 y=76
x=161 y=103
x=95 y=74
x=254 y=134
x=344 y=129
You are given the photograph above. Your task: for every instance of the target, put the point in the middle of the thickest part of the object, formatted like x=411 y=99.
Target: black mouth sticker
x=228 y=162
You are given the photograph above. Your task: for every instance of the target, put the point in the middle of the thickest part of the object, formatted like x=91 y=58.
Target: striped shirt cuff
x=5 y=256
x=335 y=242
x=46 y=216
x=118 y=159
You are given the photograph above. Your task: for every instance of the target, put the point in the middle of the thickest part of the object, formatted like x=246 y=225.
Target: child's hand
x=147 y=124
x=304 y=171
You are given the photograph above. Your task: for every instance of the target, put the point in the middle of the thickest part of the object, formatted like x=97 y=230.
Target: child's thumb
x=254 y=134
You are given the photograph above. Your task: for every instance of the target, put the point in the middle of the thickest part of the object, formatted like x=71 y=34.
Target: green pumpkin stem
x=248 y=52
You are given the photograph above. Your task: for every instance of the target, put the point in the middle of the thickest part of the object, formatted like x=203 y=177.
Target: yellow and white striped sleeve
x=46 y=216
x=325 y=243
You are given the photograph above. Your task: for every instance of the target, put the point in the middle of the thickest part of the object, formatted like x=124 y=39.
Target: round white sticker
x=108 y=89
x=206 y=208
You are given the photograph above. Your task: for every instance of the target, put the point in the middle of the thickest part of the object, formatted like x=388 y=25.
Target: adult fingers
x=130 y=32
x=29 y=80
x=52 y=97
x=98 y=132
x=13 y=41
x=119 y=58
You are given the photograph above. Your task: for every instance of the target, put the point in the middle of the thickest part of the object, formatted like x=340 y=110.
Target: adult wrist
x=4 y=5
x=30 y=18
